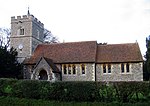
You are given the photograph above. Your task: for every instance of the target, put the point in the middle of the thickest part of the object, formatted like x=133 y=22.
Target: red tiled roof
x=89 y=51
x=119 y=53
x=66 y=52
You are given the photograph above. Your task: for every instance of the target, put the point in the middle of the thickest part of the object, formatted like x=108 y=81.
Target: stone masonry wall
x=89 y=76
x=25 y=42
x=135 y=74
x=29 y=40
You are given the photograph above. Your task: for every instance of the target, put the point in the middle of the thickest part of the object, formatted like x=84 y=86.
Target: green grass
x=11 y=101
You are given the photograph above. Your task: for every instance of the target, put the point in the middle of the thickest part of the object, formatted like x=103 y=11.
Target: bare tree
x=6 y=32
x=5 y=37
x=49 y=37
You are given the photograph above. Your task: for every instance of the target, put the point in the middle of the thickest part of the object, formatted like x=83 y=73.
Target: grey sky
x=111 y=21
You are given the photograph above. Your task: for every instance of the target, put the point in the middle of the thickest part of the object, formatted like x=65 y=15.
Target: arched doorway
x=43 y=75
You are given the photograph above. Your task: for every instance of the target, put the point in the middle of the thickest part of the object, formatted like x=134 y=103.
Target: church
x=72 y=61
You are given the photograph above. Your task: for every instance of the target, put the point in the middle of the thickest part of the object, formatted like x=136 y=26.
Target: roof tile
x=129 y=52
x=88 y=51
x=66 y=52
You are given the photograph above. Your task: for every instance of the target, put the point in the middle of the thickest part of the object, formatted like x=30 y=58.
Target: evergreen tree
x=9 y=66
x=147 y=61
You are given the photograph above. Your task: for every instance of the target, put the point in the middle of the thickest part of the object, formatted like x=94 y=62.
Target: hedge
x=77 y=91
x=13 y=101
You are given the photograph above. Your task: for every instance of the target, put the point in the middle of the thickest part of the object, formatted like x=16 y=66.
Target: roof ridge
x=117 y=44
x=68 y=42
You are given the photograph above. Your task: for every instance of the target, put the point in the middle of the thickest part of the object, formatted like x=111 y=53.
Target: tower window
x=38 y=33
x=21 y=31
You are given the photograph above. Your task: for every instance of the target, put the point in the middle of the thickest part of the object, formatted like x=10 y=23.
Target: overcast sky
x=111 y=21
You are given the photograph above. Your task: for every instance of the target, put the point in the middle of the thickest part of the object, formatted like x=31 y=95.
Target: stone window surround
x=125 y=68
x=81 y=67
x=69 y=67
x=21 y=31
x=108 y=71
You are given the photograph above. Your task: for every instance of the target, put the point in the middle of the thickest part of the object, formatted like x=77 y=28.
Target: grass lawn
x=10 y=101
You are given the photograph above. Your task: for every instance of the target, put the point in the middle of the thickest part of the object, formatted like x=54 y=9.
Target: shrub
x=27 y=89
x=107 y=93
x=77 y=91
x=7 y=86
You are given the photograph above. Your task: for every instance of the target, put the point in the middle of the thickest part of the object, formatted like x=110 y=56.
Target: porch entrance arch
x=43 y=75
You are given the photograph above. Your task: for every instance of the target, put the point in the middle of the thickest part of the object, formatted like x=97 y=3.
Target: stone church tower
x=26 y=33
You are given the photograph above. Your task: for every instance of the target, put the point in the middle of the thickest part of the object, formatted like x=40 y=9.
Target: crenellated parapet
x=26 y=18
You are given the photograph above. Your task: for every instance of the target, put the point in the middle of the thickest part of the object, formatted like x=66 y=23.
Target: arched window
x=104 y=68
x=109 y=68
x=83 y=69
x=122 y=68
x=127 y=67
x=65 y=69
x=69 y=69
x=74 y=69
